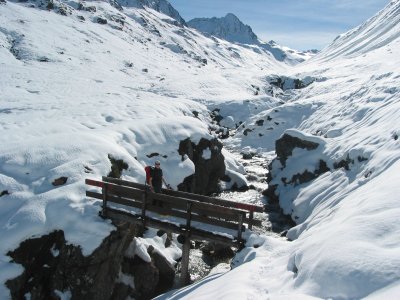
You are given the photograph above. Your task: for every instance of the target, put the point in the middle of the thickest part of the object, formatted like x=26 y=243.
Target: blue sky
x=299 y=24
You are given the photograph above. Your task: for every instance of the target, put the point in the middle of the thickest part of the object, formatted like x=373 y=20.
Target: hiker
x=157 y=178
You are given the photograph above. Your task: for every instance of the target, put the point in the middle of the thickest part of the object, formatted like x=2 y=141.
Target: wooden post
x=104 y=192
x=251 y=216
x=239 y=237
x=185 y=276
x=144 y=204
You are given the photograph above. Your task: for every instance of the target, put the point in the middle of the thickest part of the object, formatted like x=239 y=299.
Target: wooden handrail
x=201 y=198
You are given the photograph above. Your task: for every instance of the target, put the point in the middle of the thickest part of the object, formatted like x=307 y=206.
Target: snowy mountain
x=230 y=28
x=85 y=81
x=162 y=6
x=375 y=33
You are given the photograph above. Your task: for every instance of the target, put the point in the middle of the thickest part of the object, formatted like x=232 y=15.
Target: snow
x=73 y=92
x=63 y=295
x=230 y=28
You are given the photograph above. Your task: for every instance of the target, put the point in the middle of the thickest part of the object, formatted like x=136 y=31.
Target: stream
x=273 y=221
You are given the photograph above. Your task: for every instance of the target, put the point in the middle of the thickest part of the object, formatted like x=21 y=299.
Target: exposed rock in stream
x=209 y=166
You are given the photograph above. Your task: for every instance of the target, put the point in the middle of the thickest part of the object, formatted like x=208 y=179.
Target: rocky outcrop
x=51 y=266
x=209 y=166
x=284 y=148
x=285 y=145
x=289 y=83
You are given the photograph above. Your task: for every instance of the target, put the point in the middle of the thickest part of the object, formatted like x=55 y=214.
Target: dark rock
x=215 y=116
x=217 y=251
x=153 y=154
x=252 y=177
x=60 y=181
x=63 y=11
x=82 y=18
x=43 y=59
x=269 y=118
x=344 y=163
x=247 y=155
x=50 y=5
x=145 y=70
x=51 y=264
x=208 y=172
x=122 y=292
x=117 y=165
x=361 y=158
x=3 y=193
x=226 y=178
x=146 y=278
x=101 y=20
x=168 y=240
x=165 y=269
x=395 y=137
x=195 y=113
x=90 y=8
x=271 y=195
x=3 y=1
x=260 y=122
x=285 y=145
x=246 y=131
x=116 y=4
x=243 y=188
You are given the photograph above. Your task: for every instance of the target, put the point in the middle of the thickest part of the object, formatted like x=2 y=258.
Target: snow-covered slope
x=375 y=33
x=162 y=6
x=82 y=81
x=230 y=28
x=347 y=241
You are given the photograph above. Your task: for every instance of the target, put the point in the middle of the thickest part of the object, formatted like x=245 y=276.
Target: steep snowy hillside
x=336 y=173
x=375 y=33
x=161 y=6
x=85 y=81
x=230 y=28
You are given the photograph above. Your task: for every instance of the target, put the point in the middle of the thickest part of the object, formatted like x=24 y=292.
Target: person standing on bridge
x=157 y=178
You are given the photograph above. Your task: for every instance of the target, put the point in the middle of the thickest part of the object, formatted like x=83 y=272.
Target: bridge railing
x=117 y=195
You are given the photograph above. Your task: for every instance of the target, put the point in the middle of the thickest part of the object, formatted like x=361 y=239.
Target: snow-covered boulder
x=209 y=166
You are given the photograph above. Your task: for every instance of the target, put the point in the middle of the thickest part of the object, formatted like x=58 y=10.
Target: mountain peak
x=229 y=28
x=162 y=6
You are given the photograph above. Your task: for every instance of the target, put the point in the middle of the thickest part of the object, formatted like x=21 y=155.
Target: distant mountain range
x=229 y=28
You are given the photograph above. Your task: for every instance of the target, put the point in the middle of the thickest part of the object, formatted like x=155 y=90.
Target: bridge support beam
x=185 y=276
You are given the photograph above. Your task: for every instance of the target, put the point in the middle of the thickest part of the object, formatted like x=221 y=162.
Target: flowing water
x=273 y=221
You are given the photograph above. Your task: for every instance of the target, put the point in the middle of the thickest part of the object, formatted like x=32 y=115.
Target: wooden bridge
x=193 y=216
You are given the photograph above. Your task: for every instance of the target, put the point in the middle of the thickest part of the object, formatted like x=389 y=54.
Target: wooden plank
x=199 y=215
x=94 y=195
x=197 y=205
x=94 y=182
x=196 y=234
x=221 y=202
x=165 y=211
